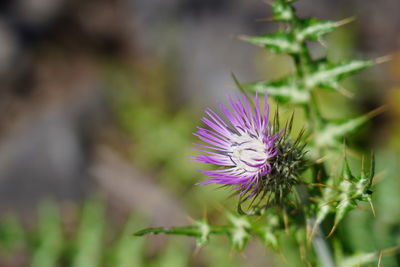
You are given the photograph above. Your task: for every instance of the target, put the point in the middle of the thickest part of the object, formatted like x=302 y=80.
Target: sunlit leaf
x=239 y=234
x=332 y=133
x=314 y=29
x=328 y=75
x=280 y=42
x=90 y=235
x=50 y=237
x=284 y=91
x=283 y=11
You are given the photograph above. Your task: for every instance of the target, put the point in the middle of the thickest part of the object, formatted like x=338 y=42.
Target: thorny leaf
x=268 y=232
x=314 y=29
x=239 y=234
x=332 y=133
x=284 y=91
x=283 y=11
x=328 y=75
x=280 y=42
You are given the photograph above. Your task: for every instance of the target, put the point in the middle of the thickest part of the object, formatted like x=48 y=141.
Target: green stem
x=303 y=63
x=321 y=247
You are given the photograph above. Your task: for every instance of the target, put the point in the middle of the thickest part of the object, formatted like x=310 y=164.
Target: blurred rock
x=135 y=191
x=45 y=153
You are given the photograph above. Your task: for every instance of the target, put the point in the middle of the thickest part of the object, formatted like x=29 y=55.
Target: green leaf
x=364 y=184
x=267 y=232
x=327 y=201
x=238 y=231
x=12 y=235
x=353 y=189
x=205 y=231
x=128 y=251
x=50 y=237
x=363 y=258
x=283 y=91
x=314 y=29
x=347 y=201
x=283 y=11
x=359 y=259
x=191 y=230
x=268 y=237
x=346 y=173
x=332 y=133
x=239 y=234
x=90 y=236
x=175 y=254
x=327 y=76
x=280 y=42
x=202 y=230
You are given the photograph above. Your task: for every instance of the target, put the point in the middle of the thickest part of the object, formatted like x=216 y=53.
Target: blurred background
x=98 y=100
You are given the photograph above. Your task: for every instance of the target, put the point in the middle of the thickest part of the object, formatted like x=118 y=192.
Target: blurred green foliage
x=92 y=241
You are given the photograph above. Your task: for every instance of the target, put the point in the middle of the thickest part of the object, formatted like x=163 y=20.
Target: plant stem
x=320 y=244
x=303 y=63
x=321 y=247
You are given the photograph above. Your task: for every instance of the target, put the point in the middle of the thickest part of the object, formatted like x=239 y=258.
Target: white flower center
x=248 y=152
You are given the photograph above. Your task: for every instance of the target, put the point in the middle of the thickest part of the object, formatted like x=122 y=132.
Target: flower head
x=242 y=144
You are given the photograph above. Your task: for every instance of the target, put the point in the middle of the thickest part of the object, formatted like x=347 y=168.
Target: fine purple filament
x=242 y=144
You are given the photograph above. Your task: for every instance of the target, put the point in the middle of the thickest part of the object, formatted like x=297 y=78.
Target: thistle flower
x=242 y=144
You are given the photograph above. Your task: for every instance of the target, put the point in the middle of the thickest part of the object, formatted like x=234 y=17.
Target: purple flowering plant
x=289 y=184
x=249 y=151
x=244 y=145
